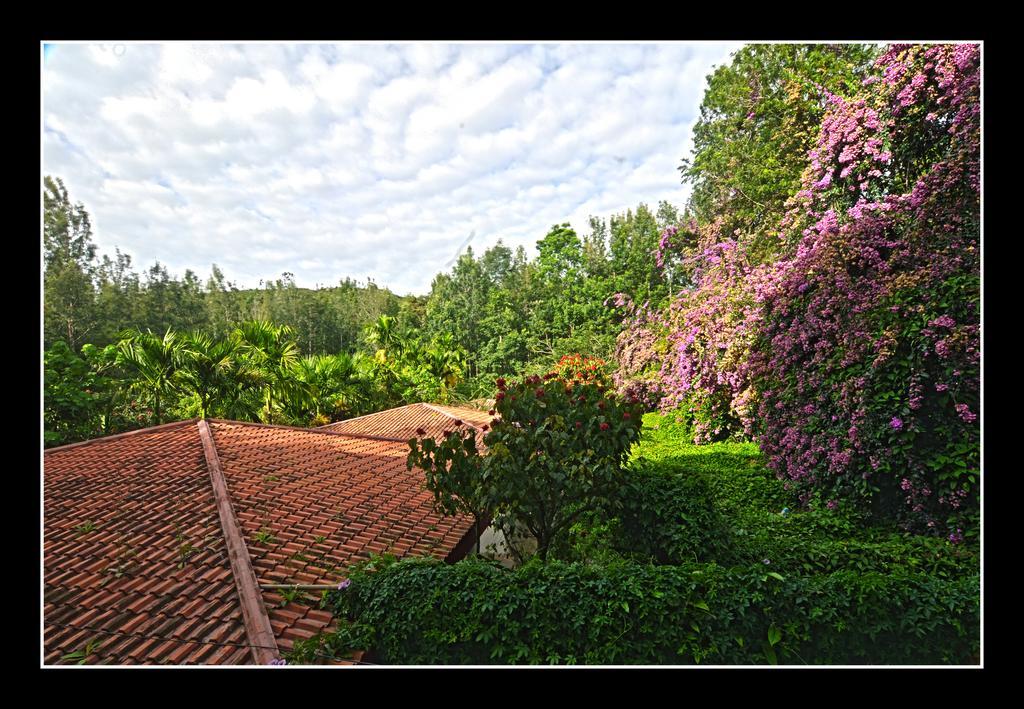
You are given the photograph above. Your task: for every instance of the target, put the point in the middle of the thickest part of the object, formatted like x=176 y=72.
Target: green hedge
x=730 y=513
x=668 y=518
x=474 y=612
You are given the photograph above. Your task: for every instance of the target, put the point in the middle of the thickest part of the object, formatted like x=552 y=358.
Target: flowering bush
x=711 y=329
x=854 y=357
x=580 y=368
x=639 y=350
x=868 y=363
x=454 y=474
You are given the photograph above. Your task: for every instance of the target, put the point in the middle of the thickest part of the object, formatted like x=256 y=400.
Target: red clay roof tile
x=134 y=554
x=147 y=494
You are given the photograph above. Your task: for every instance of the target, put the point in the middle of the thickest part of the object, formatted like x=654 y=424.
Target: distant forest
x=503 y=308
x=124 y=349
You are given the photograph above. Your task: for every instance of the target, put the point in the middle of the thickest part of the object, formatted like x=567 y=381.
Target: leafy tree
x=69 y=311
x=445 y=361
x=758 y=120
x=455 y=475
x=383 y=333
x=117 y=297
x=333 y=388
x=554 y=288
x=634 y=239
x=71 y=398
x=213 y=369
x=223 y=304
x=456 y=306
x=554 y=455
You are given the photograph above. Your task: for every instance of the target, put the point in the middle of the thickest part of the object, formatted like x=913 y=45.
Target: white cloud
x=363 y=160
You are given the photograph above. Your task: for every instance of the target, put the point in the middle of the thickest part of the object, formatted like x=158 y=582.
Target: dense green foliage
x=759 y=119
x=475 y=612
x=83 y=396
x=554 y=454
x=739 y=576
x=255 y=373
x=512 y=314
x=719 y=503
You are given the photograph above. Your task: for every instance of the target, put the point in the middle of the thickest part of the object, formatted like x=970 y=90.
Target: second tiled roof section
x=403 y=422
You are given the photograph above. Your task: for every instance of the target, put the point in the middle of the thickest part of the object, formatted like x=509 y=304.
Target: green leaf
x=774 y=635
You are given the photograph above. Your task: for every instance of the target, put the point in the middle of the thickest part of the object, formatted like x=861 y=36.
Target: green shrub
x=555 y=455
x=475 y=612
x=719 y=503
x=668 y=518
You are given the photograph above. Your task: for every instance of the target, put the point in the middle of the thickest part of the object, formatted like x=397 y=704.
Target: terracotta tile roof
x=402 y=422
x=121 y=518
x=310 y=503
x=135 y=557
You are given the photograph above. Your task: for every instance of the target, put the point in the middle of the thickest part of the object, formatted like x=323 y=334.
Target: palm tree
x=218 y=373
x=383 y=332
x=446 y=362
x=155 y=361
x=273 y=350
x=330 y=382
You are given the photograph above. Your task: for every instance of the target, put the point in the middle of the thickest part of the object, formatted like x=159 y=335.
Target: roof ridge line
x=254 y=613
x=123 y=434
x=432 y=407
x=318 y=429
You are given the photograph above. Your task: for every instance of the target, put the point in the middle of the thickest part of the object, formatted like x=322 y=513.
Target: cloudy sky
x=362 y=160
